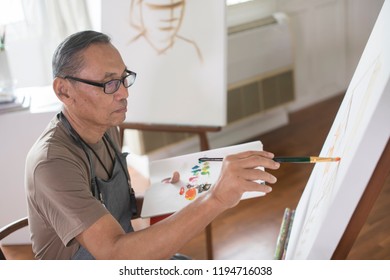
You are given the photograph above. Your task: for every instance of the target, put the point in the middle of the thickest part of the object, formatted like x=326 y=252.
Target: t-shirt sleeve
x=65 y=198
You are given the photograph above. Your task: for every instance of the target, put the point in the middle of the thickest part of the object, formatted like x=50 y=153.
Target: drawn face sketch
x=159 y=22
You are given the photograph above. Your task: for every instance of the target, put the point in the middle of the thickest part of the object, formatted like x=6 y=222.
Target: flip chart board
x=358 y=135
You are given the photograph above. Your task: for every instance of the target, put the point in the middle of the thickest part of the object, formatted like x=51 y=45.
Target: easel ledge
x=200 y=130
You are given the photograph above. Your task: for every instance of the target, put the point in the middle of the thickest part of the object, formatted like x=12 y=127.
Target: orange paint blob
x=190 y=194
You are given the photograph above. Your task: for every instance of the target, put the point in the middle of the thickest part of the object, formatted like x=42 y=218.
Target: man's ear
x=61 y=89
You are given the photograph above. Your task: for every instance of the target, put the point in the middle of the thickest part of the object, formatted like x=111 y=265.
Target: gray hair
x=67 y=58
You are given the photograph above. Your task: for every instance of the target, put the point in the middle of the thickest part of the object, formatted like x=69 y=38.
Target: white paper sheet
x=165 y=198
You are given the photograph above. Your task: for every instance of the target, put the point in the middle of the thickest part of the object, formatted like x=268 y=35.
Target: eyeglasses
x=112 y=86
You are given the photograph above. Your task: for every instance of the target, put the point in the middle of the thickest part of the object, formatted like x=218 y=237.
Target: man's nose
x=122 y=92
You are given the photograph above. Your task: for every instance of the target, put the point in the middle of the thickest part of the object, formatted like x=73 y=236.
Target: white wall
x=361 y=15
x=330 y=36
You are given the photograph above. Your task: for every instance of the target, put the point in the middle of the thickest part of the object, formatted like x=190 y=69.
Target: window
x=36 y=29
x=243 y=11
x=10 y=11
x=234 y=2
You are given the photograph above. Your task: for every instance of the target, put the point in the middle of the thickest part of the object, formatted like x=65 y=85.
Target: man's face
x=91 y=106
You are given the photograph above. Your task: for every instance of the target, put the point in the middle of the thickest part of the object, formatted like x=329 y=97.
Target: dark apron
x=115 y=193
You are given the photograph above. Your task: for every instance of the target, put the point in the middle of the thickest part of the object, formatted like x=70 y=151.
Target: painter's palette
x=196 y=179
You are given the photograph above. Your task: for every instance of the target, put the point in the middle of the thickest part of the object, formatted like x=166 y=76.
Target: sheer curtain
x=32 y=42
x=67 y=17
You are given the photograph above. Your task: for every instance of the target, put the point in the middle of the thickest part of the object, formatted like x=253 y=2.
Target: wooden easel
x=201 y=131
x=364 y=206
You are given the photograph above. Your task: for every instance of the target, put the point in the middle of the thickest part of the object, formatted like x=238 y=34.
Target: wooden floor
x=249 y=231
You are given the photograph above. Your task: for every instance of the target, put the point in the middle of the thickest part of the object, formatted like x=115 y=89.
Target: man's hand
x=239 y=174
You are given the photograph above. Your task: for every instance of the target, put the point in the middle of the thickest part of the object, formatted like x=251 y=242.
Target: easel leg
x=209 y=243
x=204 y=145
x=364 y=206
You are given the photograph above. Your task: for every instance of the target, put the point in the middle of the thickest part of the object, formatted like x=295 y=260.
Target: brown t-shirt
x=59 y=198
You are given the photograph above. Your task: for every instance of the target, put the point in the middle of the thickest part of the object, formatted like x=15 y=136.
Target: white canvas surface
x=358 y=135
x=178 y=50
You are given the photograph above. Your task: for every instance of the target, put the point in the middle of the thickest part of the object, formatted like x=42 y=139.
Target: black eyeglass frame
x=103 y=85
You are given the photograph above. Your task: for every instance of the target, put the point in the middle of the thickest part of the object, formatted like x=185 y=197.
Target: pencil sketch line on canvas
x=159 y=22
x=324 y=184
